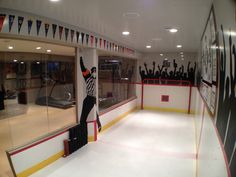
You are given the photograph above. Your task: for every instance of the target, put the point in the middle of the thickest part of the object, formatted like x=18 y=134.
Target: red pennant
x=2 y=18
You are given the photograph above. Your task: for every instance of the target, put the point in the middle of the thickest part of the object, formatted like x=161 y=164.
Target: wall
x=41 y=153
x=178 y=98
x=211 y=161
x=224 y=119
x=149 y=58
x=117 y=112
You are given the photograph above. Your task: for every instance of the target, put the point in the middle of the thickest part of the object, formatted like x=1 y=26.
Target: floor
x=30 y=122
x=145 y=143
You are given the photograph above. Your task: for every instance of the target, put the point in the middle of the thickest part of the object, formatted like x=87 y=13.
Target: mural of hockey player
x=90 y=99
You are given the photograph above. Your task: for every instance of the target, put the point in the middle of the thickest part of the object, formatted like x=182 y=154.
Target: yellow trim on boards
x=168 y=109
x=41 y=165
x=110 y=124
x=91 y=139
x=55 y=157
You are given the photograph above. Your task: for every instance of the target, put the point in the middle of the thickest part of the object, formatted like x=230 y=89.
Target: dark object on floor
x=78 y=137
x=1 y=100
x=22 y=98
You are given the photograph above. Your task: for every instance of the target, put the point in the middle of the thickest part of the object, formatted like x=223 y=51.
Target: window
x=37 y=92
x=116 y=79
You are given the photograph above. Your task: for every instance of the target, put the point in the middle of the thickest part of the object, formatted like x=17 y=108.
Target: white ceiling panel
x=106 y=17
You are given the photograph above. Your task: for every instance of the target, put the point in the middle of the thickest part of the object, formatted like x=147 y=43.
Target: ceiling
x=106 y=17
x=30 y=46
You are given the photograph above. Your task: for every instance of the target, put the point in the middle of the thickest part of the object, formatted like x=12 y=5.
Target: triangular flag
x=20 y=22
x=38 y=25
x=96 y=42
x=54 y=29
x=30 y=23
x=82 y=36
x=104 y=44
x=87 y=39
x=11 y=21
x=72 y=33
x=107 y=45
x=2 y=18
x=60 y=31
x=66 y=33
x=110 y=46
x=91 y=38
x=46 y=25
x=77 y=36
x=113 y=46
x=100 y=43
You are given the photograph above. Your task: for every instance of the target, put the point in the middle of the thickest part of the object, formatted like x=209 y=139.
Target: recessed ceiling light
x=38 y=48
x=182 y=58
x=22 y=62
x=49 y=50
x=10 y=47
x=54 y=0
x=166 y=59
x=173 y=30
x=131 y=15
x=148 y=46
x=38 y=62
x=179 y=46
x=181 y=53
x=125 y=33
x=161 y=54
x=15 y=60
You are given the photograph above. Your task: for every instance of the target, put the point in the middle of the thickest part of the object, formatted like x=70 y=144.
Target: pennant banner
x=46 y=25
x=30 y=23
x=96 y=42
x=72 y=33
x=38 y=25
x=107 y=45
x=100 y=43
x=11 y=21
x=60 y=31
x=77 y=36
x=2 y=18
x=110 y=46
x=54 y=29
x=20 y=22
x=87 y=39
x=104 y=44
x=66 y=33
x=91 y=38
x=82 y=37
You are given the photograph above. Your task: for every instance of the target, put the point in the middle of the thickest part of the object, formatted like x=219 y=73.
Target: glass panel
x=61 y=91
x=34 y=89
x=115 y=78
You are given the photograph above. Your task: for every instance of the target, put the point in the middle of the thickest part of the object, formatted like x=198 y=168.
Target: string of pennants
x=69 y=34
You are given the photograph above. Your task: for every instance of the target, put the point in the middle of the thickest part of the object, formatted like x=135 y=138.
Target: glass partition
x=116 y=79
x=37 y=94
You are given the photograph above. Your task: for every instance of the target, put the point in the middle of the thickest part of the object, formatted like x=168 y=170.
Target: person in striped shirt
x=90 y=99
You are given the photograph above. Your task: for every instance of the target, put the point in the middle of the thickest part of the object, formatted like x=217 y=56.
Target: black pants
x=88 y=105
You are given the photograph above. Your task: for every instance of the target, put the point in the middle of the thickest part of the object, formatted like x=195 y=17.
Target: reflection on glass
x=37 y=97
x=115 y=78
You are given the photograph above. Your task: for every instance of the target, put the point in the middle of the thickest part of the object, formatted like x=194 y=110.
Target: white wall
x=117 y=112
x=211 y=162
x=36 y=154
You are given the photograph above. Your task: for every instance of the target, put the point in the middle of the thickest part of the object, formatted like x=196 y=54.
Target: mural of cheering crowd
x=163 y=75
